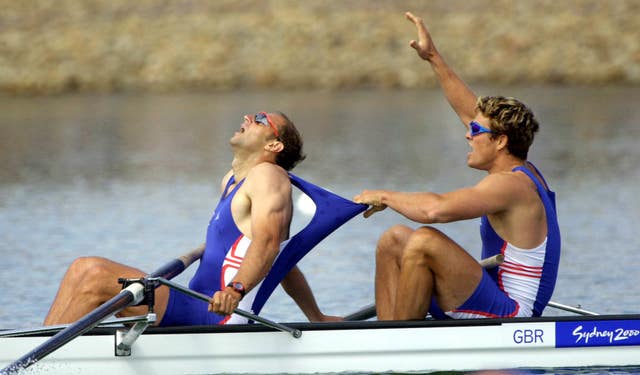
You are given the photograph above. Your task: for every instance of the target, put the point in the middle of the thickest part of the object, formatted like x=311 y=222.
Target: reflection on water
x=135 y=178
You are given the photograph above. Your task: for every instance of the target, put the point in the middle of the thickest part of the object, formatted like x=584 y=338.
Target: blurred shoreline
x=51 y=47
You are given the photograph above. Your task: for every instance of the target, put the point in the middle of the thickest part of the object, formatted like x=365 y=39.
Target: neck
x=506 y=164
x=242 y=163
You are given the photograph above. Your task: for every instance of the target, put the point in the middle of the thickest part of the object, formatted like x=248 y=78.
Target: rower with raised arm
x=423 y=270
x=247 y=232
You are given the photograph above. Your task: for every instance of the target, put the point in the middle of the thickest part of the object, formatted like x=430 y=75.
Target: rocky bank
x=109 y=45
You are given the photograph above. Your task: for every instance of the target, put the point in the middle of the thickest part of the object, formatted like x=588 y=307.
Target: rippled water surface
x=136 y=177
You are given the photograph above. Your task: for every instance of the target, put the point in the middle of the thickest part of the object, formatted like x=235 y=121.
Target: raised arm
x=459 y=95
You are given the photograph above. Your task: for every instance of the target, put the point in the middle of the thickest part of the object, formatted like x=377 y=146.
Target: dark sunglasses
x=263 y=118
x=476 y=129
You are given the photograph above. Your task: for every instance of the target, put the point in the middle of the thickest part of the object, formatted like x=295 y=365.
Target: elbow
x=434 y=215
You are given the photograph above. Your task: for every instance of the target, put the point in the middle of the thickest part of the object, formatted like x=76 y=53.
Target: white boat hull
x=351 y=347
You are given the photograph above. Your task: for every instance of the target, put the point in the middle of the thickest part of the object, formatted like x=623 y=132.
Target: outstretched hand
x=373 y=198
x=424 y=46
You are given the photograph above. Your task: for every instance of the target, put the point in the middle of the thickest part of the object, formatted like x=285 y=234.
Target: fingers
x=373 y=209
x=411 y=17
x=223 y=303
x=416 y=21
x=423 y=46
x=373 y=198
x=369 y=212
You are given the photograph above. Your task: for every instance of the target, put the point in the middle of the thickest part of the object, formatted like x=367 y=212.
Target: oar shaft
x=364 y=313
x=115 y=304
x=570 y=308
x=131 y=295
x=60 y=327
x=203 y=297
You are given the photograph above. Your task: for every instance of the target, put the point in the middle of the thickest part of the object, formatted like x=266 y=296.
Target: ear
x=503 y=140
x=274 y=146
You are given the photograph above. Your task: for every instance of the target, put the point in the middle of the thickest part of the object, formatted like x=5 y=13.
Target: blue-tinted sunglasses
x=263 y=118
x=476 y=129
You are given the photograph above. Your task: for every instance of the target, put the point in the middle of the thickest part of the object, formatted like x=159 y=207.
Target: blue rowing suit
x=523 y=284
x=225 y=248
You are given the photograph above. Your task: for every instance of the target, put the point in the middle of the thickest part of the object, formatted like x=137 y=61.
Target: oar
x=572 y=309
x=364 y=313
x=60 y=327
x=369 y=311
x=281 y=327
x=131 y=295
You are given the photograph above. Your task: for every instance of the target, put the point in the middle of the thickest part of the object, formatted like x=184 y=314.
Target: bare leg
x=91 y=281
x=388 y=258
x=434 y=265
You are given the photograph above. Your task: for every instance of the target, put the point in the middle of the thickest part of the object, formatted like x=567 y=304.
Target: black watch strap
x=238 y=287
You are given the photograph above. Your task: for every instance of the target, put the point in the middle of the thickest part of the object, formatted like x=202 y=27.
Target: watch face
x=237 y=286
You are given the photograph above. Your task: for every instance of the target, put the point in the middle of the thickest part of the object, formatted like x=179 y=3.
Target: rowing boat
x=352 y=346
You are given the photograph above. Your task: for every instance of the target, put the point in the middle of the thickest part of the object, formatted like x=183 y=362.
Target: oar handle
x=192 y=256
x=492 y=262
x=203 y=297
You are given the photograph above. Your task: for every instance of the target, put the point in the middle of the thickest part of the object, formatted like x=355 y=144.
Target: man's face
x=483 y=150
x=255 y=130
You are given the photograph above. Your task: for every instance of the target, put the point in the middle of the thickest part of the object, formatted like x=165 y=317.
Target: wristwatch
x=238 y=287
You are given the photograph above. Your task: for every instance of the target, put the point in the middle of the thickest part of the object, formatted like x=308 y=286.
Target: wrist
x=384 y=197
x=237 y=287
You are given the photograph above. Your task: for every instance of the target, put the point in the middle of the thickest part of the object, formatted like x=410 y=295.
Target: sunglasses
x=263 y=118
x=476 y=129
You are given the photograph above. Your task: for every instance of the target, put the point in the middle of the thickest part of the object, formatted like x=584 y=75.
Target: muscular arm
x=458 y=94
x=267 y=194
x=492 y=194
x=269 y=190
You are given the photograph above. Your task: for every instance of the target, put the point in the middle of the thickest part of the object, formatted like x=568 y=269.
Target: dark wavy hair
x=290 y=137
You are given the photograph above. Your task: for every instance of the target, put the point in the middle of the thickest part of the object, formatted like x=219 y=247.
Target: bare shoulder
x=268 y=176
x=508 y=183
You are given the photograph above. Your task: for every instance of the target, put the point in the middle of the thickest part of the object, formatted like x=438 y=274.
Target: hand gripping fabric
x=331 y=212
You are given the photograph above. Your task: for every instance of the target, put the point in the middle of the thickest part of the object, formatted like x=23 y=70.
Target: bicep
x=270 y=207
x=485 y=198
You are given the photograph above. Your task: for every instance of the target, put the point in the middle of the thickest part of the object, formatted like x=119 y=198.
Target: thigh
x=456 y=273
x=119 y=270
x=487 y=301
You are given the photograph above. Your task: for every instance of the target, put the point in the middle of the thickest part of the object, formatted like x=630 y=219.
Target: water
x=135 y=178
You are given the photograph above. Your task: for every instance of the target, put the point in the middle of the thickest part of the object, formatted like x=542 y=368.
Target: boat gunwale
x=349 y=325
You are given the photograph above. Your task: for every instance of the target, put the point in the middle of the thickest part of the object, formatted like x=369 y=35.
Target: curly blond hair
x=512 y=118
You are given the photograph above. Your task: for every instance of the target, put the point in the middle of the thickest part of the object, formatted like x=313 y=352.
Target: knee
x=393 y=241
x=422 y=245
x=88 y=273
